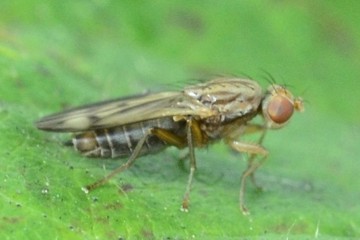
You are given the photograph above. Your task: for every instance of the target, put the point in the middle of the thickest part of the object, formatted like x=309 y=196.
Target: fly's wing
x=123 y=111
x=228 y=98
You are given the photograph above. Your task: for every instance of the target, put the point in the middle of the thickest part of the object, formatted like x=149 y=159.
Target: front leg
x=253 y=150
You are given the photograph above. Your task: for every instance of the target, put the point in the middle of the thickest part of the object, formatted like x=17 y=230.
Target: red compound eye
x=280 y=109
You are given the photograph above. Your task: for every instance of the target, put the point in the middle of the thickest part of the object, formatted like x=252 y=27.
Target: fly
x=195 y=117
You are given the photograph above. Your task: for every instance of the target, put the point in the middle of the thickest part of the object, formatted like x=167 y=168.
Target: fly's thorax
x=278 y=105
x=217 y=129
x=212 y=127
x=229 y=98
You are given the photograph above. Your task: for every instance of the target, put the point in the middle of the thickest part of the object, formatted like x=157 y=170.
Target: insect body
x=195 y=117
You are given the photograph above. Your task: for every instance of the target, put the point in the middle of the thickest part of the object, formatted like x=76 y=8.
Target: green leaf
x=55 y=55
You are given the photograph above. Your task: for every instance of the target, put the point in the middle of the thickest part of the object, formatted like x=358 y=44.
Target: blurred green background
x=57 y=54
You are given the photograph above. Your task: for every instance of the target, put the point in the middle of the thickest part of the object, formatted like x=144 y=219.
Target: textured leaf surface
x=59 y=54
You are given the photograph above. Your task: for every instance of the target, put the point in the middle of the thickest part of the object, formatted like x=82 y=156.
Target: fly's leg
x=123 y=167
x=253 y=150
x=190 y=142
x=173 y=139
x=194 y=138
x=249 y=172
x=252 y=159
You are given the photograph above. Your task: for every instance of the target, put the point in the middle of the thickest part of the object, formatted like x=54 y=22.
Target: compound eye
x=280 y=109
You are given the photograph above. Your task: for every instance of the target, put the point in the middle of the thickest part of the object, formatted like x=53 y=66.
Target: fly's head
x=278 y=106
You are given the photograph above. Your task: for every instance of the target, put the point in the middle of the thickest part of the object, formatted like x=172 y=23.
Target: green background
x=57 y=54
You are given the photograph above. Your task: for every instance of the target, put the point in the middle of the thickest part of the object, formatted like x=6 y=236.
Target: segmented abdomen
x=121 y=141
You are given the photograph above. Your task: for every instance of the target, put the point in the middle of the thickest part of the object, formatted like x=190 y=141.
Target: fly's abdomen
x=121 y=141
